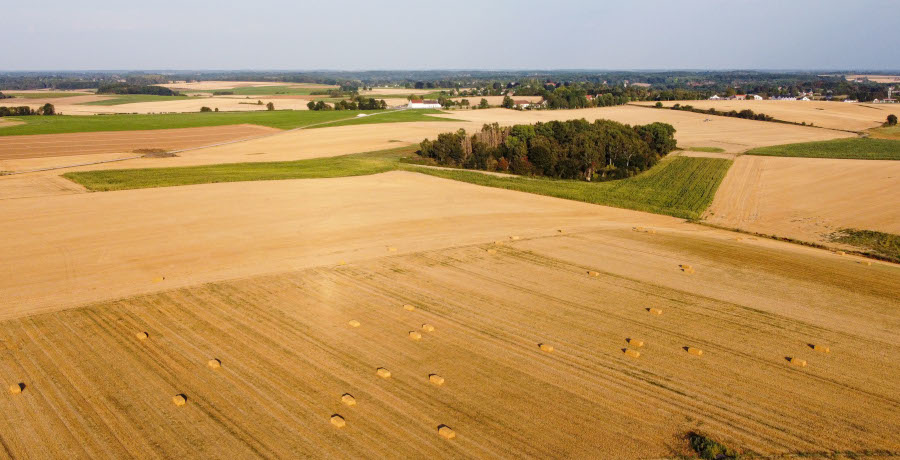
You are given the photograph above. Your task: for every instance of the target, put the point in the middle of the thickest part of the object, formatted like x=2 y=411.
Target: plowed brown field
x=50 y=145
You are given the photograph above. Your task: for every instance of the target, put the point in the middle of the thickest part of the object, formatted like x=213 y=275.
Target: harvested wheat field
x=48 y=145
x=132 y=377
x=808 y=198
x=223 y=103
x=826 y=114
x=693 y=129
x=225 y=85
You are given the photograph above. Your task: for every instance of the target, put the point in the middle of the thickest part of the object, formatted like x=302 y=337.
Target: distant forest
x=633 y=85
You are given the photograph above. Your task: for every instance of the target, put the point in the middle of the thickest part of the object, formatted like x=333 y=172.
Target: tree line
x=357 y=103
x=125 y=88
x=574 y=149
x=46 y=109
x=5 y=96
x=746 y=114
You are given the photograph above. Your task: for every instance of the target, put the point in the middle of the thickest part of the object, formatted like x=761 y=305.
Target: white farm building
x=423 y=104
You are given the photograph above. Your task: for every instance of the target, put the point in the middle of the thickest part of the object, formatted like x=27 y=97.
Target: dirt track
x=287 y=353
x=50 y=145
x=808 y=198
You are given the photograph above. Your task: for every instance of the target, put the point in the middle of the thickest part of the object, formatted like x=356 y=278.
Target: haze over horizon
x=497 y=35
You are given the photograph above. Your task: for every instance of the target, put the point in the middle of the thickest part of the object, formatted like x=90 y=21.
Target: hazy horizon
x=279 y=35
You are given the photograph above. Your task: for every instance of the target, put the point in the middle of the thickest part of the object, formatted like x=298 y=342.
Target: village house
x=423 y=104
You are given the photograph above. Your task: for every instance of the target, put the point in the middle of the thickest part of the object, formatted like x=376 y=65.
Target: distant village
x=802 y=96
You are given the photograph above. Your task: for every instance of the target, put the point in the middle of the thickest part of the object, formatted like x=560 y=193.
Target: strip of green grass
x=132 y=98
x=707 y=149
x=855 y=148
x=884 y=245
x=46 y=95
x=359 y=164
x=281 y=119
x=678 y=186
x=886 y=132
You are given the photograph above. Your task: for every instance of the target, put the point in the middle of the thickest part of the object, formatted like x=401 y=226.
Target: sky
x=457 y=34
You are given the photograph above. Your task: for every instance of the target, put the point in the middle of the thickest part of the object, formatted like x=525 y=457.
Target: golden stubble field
x=256 y=282
x=808 y=198
x=827 y=114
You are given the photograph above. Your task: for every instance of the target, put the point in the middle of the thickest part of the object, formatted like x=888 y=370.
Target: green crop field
x=854 y=148
x=120 y=99
x=883 y=245
x=706 y=149
x=281 y=119
x=677 y=186
x=886 y=132
x=46 y=95
x=358 y=164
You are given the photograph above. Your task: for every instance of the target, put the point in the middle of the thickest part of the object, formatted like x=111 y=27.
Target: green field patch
x=886 y=132
x=882 y=245
x=358 y=164
x=120 y=99
x=280 y=119
x=860 y=148
x=47 y=95
x=706 y=149
x=677 y=186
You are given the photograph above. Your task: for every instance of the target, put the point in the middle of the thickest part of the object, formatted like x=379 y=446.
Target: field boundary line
x=188 y=149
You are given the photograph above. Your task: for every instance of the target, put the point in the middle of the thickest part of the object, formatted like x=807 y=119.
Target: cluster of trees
x=357 y=103
x=46 y=109
x=207 y=109
x=223 y=93
x=891 y=120
x=574 y=149
x=125 y=88
x=5 y=96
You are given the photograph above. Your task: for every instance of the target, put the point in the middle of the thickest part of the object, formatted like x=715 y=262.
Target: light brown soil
x=808 y=198
x=827 y=114
x=287 y=354
x=692 y=129
x=49 y=145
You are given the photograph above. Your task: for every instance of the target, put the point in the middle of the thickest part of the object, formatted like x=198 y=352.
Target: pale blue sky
x=457 y=34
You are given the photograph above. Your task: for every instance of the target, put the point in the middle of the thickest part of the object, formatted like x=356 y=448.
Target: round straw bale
x=142 y=335
x=16 y=388
x=353 y=323
x=821 y=348
x=348 y=399
x=179 y=399
x=214 y=363
x=391 y=249
x=593 y=273
x=498 y=243
x=436 y=379
x=841 y=253
x=338 y=421
x=383 y=373
x=515 y=237
x=159 y=279
x=409 y=307
x=414 y=335
x=695 y=351
x=797 y=361
x=635 y=342
x=632 y=353
x=546 y=347
x=491 y=251
x=446 y=432
x=427 y=328
x=654 y=311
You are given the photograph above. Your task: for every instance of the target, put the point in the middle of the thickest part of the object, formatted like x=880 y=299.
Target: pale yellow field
x=195 y=283
x=224 y=85
x=827 y=114
x=877 y=78
x=808 y=198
